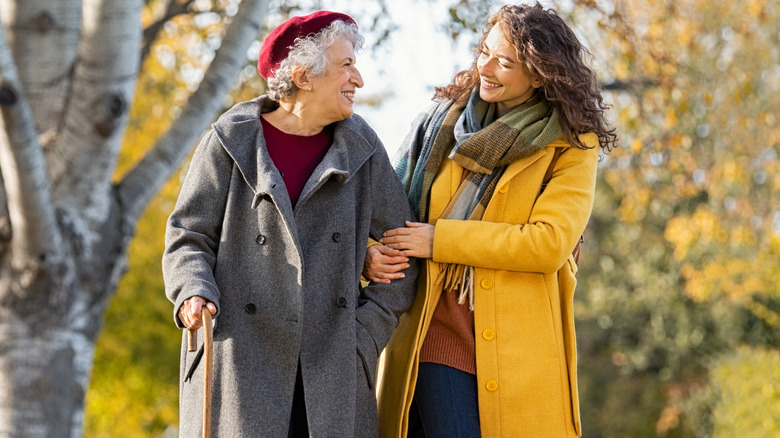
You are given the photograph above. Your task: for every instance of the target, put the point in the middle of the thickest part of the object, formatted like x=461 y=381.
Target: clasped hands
x=385 y=262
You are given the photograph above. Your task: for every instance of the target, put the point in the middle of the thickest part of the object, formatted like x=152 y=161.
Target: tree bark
x=67 y=77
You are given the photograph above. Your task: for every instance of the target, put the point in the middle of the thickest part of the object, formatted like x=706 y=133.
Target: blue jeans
x=446 y=400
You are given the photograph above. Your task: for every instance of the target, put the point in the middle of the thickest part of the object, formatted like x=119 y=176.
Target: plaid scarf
x=483 y=147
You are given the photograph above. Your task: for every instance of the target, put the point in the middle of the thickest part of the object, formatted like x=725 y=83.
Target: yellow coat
x=524 y=285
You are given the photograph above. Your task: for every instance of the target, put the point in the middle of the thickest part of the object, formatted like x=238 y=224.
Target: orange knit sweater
x=450 y=337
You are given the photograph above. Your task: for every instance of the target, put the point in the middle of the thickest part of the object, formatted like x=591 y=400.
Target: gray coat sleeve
x=194 y=227
x=380 y=305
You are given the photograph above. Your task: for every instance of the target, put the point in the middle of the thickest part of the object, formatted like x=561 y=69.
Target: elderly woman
x=502 y=174
x=269 y=233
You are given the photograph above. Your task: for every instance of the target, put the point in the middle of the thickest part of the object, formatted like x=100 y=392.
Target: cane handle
x=192 y=339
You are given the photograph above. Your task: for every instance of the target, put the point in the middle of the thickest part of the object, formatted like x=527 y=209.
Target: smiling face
x=332 y=93
x=504 y=80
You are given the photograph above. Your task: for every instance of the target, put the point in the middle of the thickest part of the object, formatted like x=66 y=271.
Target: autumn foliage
x=678 y=304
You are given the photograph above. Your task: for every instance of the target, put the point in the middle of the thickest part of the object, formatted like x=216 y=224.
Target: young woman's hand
x=413 y=240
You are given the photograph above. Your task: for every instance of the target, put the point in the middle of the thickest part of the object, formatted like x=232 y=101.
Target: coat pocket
x=194 y=365
x=366 y=354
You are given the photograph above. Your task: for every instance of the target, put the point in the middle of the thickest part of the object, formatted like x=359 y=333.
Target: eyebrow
x=340 y=61
x=501 y=56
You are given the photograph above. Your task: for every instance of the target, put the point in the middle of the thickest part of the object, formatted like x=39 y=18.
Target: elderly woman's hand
x=384 y=264
x=414 y=240
x=190 y=312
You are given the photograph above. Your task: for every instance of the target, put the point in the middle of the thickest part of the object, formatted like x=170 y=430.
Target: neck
x=292 y=117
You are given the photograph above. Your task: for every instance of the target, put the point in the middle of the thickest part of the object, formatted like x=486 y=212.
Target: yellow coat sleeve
x=518 y=234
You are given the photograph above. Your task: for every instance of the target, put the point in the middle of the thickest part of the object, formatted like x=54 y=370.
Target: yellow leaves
x=736 y=279
x=677 y=234
x=722 y=255
x=765 y=313
x=755 y=7
x=670 y=121
x=634 y=208
x=742 y=235
x=684 y=36
x=621 y=69
x=627 y=115
x=731 y=172
x=636 y=145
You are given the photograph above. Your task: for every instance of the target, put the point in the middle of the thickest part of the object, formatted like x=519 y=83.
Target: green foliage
x=681 y=266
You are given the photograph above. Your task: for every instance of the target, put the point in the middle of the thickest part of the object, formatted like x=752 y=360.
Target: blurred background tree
x=678 y=307
x=679 y=291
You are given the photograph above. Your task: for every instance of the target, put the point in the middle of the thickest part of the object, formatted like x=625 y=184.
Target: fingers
x=384 y=264
x=415 y=240
x=383 y=277
x=190 y=312
x=391 y=253
x=402 y=231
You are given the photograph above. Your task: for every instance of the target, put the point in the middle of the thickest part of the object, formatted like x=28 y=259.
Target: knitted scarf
x=483 y=147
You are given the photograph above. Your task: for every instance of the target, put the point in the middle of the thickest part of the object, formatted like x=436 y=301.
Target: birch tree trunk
x=67 y=77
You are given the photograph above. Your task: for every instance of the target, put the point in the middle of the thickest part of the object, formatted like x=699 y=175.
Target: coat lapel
x=240 y=133
x=346 y=155
x=518 y=166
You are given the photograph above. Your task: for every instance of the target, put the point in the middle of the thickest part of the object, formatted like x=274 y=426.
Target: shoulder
x=244 y=115
x=240 y=112
x=238 y=127
x=590 y=140
x=356 y=132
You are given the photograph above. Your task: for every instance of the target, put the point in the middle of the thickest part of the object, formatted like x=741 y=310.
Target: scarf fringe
x=460 y=278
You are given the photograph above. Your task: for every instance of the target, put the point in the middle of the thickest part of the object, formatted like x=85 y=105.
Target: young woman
x=488 y=347
x=269 y=233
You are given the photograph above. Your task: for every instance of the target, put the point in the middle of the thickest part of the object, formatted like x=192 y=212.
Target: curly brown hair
x=551 y=51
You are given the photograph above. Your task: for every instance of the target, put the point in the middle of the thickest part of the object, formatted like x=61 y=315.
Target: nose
x=356 y=79
x=483 y=66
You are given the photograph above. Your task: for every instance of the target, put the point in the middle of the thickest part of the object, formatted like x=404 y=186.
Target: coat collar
x=240 y=132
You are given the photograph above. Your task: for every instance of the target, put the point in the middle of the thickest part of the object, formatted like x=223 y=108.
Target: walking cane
x=208 y=363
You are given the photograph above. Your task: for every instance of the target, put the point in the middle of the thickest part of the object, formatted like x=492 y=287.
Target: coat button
x=260 y=239
x=250 y=308
x=488 y=334
x=503 y=189
x=337 y=237
x=341 y=302
x=486 y=283
x=491 y=385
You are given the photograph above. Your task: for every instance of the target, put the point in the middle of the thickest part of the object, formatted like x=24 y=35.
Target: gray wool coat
x=285 y=280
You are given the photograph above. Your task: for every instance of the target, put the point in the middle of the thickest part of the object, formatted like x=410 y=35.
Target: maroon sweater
x=296 y=156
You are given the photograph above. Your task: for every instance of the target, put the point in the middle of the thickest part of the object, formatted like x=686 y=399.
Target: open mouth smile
x=490 y=85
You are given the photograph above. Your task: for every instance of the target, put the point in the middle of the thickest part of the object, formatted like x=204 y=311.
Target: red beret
x=278 y=43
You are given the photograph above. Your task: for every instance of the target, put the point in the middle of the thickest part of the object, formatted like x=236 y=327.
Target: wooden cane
x=208 y=364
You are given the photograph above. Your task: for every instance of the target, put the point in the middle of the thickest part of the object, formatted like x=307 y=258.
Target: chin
x=487 y=96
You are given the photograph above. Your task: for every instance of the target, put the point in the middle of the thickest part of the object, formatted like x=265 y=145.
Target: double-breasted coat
x=523 y=289
x=286 y=281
